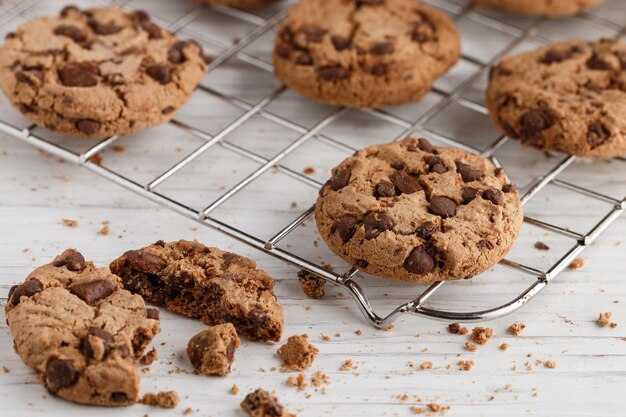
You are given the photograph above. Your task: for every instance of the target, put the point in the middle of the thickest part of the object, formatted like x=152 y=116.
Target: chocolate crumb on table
x=456 y=328
x=261 y=403
x=205 y=283
x=297 y=354
x=311 y=284
x=577 y=263
x=481 y=335
x=149 y=357
x=541 y=246
x=212 y=351
x=604 y=320
x=516 y=328
x=164 y=399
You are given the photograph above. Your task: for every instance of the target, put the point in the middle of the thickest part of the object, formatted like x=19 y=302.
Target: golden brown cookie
x=364 y=53
x=212 y=351
x=80 y=331
x=409 y=211
x=204 y=283
x=541 y=7
x=98 y=72
x=568 y=97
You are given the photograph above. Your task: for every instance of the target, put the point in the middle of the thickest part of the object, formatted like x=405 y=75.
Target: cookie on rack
x=359 y=53
x=205 y=283
x=99 y=72
x=243 y=4
x=410 y=211
x=80 y=331
x=567 y=97
x=551 y=8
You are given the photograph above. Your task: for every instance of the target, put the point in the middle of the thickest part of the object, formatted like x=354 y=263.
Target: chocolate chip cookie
x=541 y=7
x=98 y=72
x=244 y=4
x=410 y=211
x=567 y=97
x=212 y=351
x=80 y=331
x=364 y=53
x=204 y=283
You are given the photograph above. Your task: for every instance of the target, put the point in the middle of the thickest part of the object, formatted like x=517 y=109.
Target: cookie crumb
x=163 y=399
x=541 y=246
x=604 y=320
x=234 y=390
x=298 y=381
x=188 y=411
x=348 y=365
x=470 y=346
x=149 y=357
x=118 y=149
x=297 y=354
x=318 y=378
x=504 y=346
x=456 y=328
x=465 y=365
x=324 y=337
x=481 y=335
x=426 y=365
x=294 y=204
x=577 y=263
x=403 y=397
x=212 y=351
x=261 y=403
x=309 y=170
x=357 y=332
x=416 y=410
x=389 y=328
x=70 y=223
x=550 y=364
x=5 y=370
x=516 y=328
x=104 y=230
x=96 y=159
x=436 y=408
x=312 y=285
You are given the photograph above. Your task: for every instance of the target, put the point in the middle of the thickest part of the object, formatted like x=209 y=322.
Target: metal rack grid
x=270 y=244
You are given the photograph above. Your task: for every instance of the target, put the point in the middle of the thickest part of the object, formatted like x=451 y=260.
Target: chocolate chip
x=468 y=174
x=425 y=145
x=621 y=56
x=31 y=77
x=261 y=403
x=70 y=31
x=175 y=55
x=339 y=42
x=144 y=262
x=361 y=3
x=340 y=179
x=510 y=188
x=499 y=70
x=333 y=73
x=282 y=51
x=541 y=246
x=443 y=207
x=92 y=291
x=88 y=126
x=385 y=189
x=152 y=313
x=25 y=108
x=553 y=56
x=26 y=289
x=119 y=397
x=314 y=34
x=495 y=196
x=69 y=9
x=79 y=74
x=160 y=72
x=304 y=59
x=153 y=30
x=286 y=34
x=10 y=35
x=422 y=32
x=534 y=122
x=141 y=15
x=60 y=373
x=104 y=28
x=382 y=48
x=436 y=164
x=89 y=350
x=72 y=259
x=405 y=183
x=597 y=134
x=426 y=230
x=345 y=226
x=361 y=263
x=470 y=193
x=484 y=245
x=419 y=262
x=167 y=110
x=596 y=62
x=379 y=70
x=375 y=223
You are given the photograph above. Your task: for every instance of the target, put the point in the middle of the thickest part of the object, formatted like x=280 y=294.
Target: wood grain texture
x=37 y=191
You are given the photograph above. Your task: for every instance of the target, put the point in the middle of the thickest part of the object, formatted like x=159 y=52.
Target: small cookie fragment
x=212 y=351
x=541 y=246
x=297 y=354
x=261 y=403
x=164 y=399
x=550 y=364
x=311 y=284
x=481 y=335
x=577 y=263
x=470 y=346
x=465 y=365
x=604 y=320
x=149 y=357
x=456 y=328
x=516 y=328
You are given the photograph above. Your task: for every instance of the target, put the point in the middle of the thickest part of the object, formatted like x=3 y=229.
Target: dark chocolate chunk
x=340 y=179
x=470 y=193
x=597 y=135
x=405 y=183
x=26 y=289
x=73 y=260
x=426 y=230
x=144 y=262
x=88 y=349
x=339 y=42
x=92 y=291
x=495 y=196
x=152 y=313
x=443 y=207
x=80 y=74
x=160 y=72
x=345 y=226
x=104 y=28
x=88 y=126
x=333 y=73
x=376 y=223
x=382 y=48
x=385 y=189
x=60 y=373
x=71 y=32
x=419 y=262
x=468 y=174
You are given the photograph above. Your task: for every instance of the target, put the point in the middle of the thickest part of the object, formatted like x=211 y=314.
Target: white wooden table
x=37 y=191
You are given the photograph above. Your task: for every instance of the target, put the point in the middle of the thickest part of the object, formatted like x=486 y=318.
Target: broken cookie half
x=205 y=283
x=80 y=331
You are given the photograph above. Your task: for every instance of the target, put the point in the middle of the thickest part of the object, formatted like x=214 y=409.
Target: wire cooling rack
x=452 y=114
